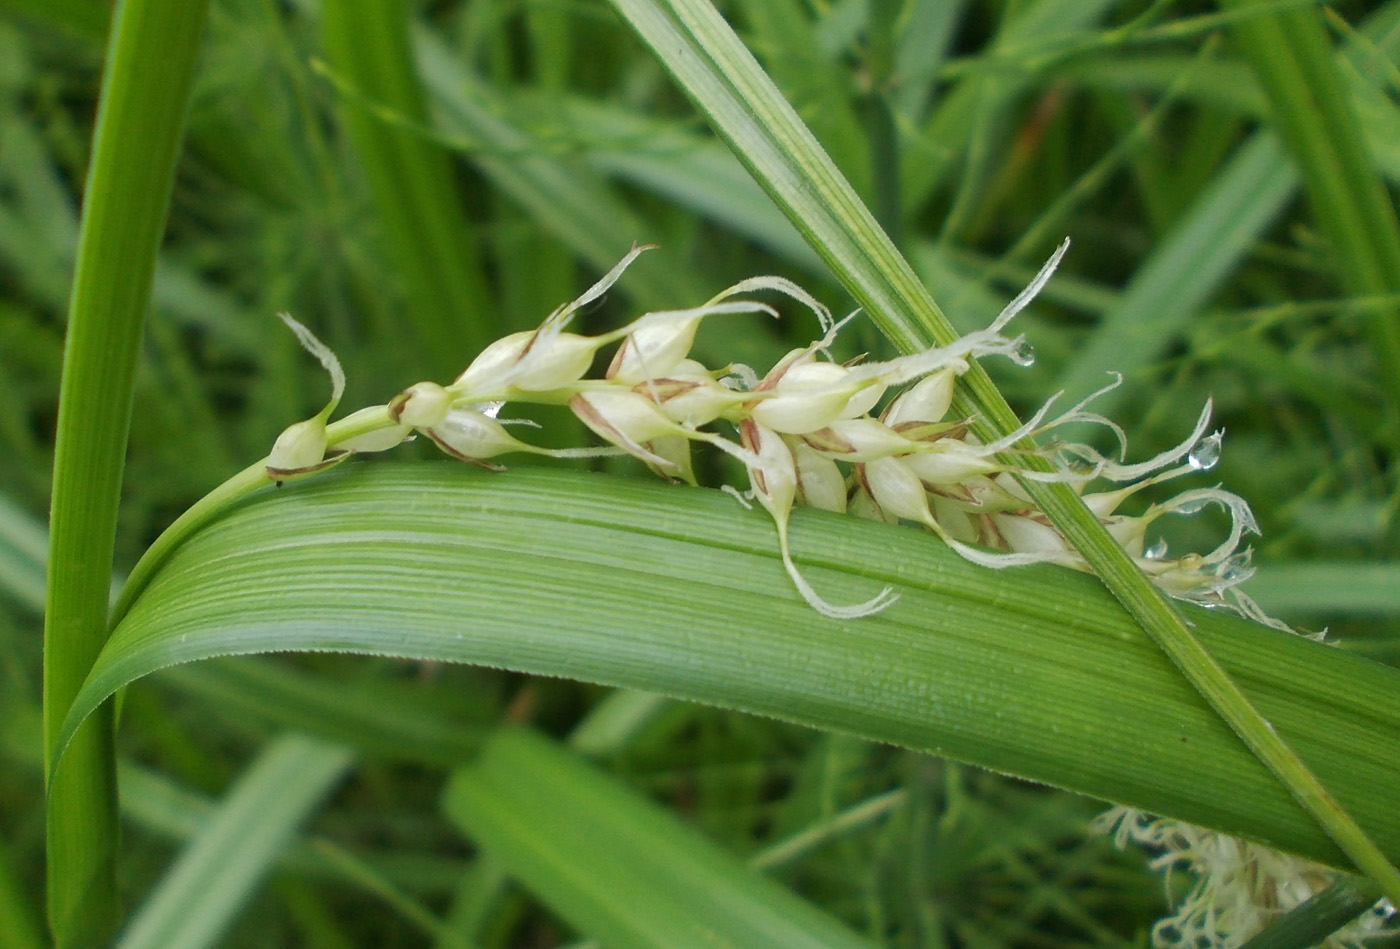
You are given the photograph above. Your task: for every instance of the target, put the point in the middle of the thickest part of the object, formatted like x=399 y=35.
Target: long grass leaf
x=1314 y=111
x=377 y=719
x=1322 y=588
x=1317 y=918
x=1031 y=29
x=674 y=590
x=20 y=927
x=157 y=804
x=24 y=552
x=83 y=19
x=1189 y=264
x=691 y=172
x=568 y=201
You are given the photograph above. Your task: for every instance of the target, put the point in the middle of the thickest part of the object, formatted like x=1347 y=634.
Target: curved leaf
x=1034 y=671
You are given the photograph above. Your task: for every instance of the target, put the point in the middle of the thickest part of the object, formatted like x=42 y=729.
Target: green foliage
x=413 y=184
x=225 y=860
x=621 y=869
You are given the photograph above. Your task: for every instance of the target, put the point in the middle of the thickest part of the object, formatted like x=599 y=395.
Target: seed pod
x=820 y=483
x=381 y=439
x=859 y=440
x=689 y=394
x=532 y=361
x=947 y=465
x=957 y=523
x=628 y=420
x=421 y=405
x=774 y=477
x=925 y=401
x=1030 y=535
x=810 y=394
x=300 y=450
x=675 y=450
x=472 y=437
x=864 y=506
x=896 y=489
x=1130 y=532
x=656 y=347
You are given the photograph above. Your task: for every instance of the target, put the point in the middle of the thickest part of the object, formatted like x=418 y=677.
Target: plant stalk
x=140 y=122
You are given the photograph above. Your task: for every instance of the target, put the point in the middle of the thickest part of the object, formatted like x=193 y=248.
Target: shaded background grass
x=409 y=223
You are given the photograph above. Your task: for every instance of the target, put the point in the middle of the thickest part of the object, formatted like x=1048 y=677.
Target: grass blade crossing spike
x=145 y=94
x=711 y=64
x=931 y=751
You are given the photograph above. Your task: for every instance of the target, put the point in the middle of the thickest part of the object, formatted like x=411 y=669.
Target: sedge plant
x=842 y=457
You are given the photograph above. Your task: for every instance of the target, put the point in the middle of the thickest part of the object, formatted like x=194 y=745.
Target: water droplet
x=1206 y=454
x=1157 y=551
x=1023 y=354
x=1236 y=569
x=1193 y=506
x=1235 y=573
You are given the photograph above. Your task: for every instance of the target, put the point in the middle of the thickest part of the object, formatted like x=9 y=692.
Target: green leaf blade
x=1034 y=672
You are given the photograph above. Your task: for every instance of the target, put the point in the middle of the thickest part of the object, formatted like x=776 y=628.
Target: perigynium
x=872 y=439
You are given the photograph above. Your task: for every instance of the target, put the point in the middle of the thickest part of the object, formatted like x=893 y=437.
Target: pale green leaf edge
x=619 y=867
x=242 y=839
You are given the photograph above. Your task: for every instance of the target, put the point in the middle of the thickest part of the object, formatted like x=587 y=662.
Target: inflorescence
x=808 y=433
x=811 y=431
